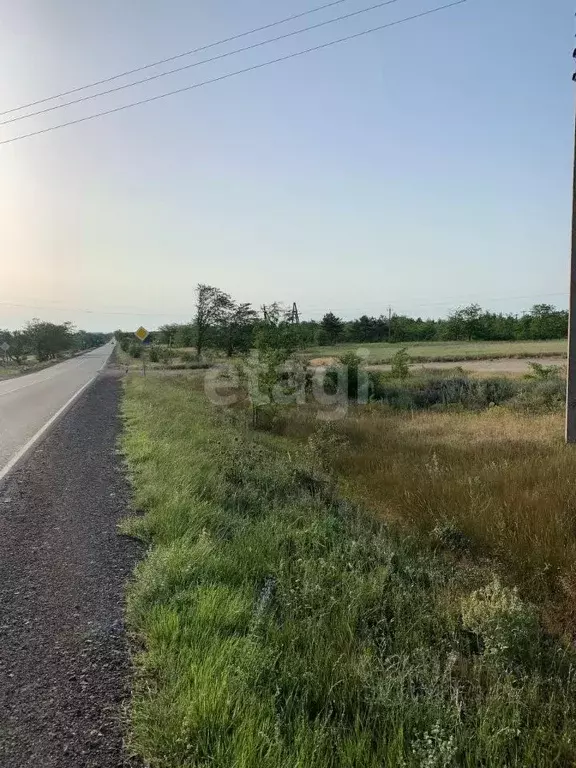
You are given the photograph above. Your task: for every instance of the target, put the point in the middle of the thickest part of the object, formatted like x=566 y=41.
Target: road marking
x=33 y=440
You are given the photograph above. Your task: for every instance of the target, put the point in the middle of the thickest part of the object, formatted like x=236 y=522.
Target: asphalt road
x=27 y=403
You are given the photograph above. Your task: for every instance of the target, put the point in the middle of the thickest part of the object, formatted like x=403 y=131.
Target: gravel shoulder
x=64 y=662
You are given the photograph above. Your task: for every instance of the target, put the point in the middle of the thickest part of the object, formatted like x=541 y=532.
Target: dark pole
x=571 y=383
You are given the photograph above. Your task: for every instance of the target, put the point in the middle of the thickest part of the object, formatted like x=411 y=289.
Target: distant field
x=456 y=351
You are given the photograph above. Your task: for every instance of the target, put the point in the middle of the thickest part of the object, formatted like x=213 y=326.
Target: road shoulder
x=63 y=568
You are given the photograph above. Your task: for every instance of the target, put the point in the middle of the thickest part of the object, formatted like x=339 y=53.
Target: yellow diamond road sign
x=141 y=333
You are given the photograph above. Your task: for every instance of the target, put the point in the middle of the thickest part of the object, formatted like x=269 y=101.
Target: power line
x=174 y=58
x=473 y=298
x=235 y=52
x=296 y=312
x=133 y=313
x=456 y=301
x=234 y=74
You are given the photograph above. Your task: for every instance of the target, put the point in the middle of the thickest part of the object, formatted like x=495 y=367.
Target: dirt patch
x=500 y=365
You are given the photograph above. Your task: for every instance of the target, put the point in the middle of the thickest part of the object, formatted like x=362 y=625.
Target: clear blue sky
x=425 y=166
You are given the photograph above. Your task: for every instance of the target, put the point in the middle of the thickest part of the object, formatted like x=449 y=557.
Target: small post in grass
x=142 y=334
x=5 y=347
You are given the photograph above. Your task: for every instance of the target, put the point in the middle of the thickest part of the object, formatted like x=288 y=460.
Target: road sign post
x=142 y=334
x=5 y=347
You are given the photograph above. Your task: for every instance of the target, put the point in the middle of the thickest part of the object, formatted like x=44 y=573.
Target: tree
x=465 y=323
x=19 y=345
x=184 y=336
x=546 y=322
x=271 y=372
x=83 y=340
x=238 y=321
x=332 y=326
x=212 y=304
x=48 y=340
x=167 y=333
x=400 y=364
x=275 y=331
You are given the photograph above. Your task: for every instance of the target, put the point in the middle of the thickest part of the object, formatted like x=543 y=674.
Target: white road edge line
x=33 y=440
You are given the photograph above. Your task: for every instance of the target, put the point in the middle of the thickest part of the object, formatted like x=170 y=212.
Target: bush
x=166 y=355
x=541 y=396
x=544 y=372
x=495 y=391
x=154 y=355
x=350 y=363
x=135 y=350
x=506 y=626
x=438 y=391
x=449 y=536
x=400 y=365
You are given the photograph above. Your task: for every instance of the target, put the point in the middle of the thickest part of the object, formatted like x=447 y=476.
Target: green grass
x=9 y=371
x=433 y=351
x=281 y=627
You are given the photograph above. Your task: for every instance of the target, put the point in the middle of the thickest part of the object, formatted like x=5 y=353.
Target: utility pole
x=389 y=325
x=571 y=384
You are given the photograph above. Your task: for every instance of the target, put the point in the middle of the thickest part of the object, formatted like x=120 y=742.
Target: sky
x=423 y=167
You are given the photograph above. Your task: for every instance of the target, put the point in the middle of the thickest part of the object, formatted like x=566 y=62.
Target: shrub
x=438 y=391
x=543 y=372
x=400 y=364
x=154 y=355
x=166 y=355
x=449 y=536
x=352 y=362
x=506 y=626
x=357 y=379
x=495 y=390
x=541 y=396
x=135 y=350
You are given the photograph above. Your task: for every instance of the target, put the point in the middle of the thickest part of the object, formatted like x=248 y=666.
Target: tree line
x=48 y=341
x=471 y=323
x=225 y=324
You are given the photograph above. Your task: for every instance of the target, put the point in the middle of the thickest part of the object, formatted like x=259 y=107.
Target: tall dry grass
x=505 y=480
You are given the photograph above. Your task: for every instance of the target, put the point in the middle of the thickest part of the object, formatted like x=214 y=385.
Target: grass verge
x=281 y=627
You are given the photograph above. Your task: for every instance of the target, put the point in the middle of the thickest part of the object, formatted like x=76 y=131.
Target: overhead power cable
x=56 y=308
x=454 y=302
x=225 y=55
x=229 y=75
x=175 y=57
x=140 y=312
